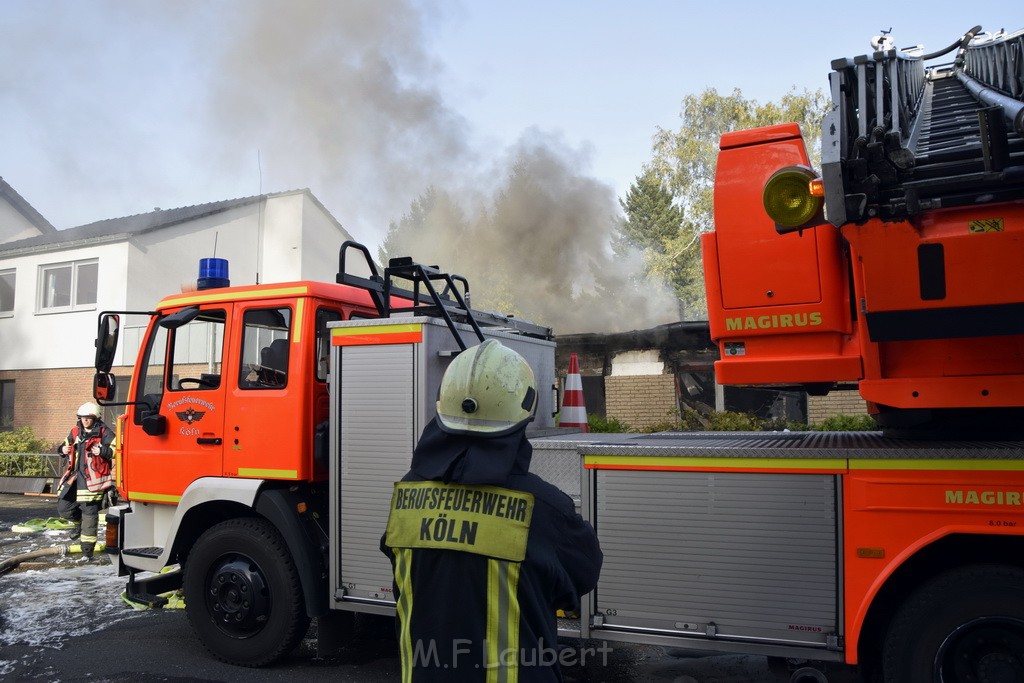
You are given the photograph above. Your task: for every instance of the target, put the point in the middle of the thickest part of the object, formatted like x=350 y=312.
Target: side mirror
x=104 y=387
x=106 y=341
x=155 y=424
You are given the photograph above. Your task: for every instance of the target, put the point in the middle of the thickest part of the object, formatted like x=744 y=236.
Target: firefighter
x=87 y=475
x=483 y=551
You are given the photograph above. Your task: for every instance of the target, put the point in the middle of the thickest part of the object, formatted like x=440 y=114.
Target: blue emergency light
x=213 y=273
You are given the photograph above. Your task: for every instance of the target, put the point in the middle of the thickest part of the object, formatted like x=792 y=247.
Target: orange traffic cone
x=574 y=412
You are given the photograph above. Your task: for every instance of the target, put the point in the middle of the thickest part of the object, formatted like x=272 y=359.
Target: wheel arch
x=949 y=553
x=198 y=518
x=280 y=507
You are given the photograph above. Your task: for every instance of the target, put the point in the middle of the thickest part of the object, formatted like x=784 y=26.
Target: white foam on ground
x=45 y=607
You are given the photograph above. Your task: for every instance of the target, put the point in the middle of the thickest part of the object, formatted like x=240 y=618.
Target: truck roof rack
x=421 y=292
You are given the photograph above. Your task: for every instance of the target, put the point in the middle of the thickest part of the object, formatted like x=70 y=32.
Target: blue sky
x=114 y=108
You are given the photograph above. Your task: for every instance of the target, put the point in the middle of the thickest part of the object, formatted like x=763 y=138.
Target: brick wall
x=47 y=400
x=641 y=401
x=838 y=402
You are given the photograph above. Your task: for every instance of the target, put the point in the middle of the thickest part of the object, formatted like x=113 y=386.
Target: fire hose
x=62 y=550
x=169 y=600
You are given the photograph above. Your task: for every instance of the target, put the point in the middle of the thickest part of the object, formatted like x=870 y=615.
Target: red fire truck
x=265 y=425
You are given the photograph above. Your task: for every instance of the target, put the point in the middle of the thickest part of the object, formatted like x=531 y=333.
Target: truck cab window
x=184 y=359
x=197 y=352
x=323 y=341
x=151 y=373
x=265 y=348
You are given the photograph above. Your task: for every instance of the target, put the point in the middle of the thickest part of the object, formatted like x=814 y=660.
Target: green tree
x=683 y=165
x=655 y=224
x=651 y=217
x=685 y=158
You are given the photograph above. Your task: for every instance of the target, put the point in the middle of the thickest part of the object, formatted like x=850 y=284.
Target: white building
x=53 y=283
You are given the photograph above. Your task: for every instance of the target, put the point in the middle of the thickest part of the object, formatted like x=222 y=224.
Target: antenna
x=215 y=236
x=259 y=225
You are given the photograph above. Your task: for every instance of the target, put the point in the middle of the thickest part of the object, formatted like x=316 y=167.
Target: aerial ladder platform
x=903 y=138
x=897 y=267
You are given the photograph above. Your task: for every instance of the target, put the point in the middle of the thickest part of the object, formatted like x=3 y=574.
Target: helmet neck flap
x=468 y=459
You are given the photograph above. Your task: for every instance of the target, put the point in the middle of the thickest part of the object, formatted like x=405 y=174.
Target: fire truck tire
x=964 y=625
x=242 y=593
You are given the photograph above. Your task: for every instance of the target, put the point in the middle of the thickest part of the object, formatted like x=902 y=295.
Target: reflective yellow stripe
x=219 y=295
x=267 y=474
x=493 y=620
x=938 y=465
x=297 y=323
x=411 y=333
x=376 y=329
x=152 y=497
x=403 y=581
x=655 y=462
x=512 y=619
x=502 y=621
x=838 y=465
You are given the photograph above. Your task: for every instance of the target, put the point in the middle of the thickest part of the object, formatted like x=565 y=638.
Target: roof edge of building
x=22 y=206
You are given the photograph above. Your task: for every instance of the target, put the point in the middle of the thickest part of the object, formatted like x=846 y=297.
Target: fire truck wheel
x=242 y=593
x=964 y=625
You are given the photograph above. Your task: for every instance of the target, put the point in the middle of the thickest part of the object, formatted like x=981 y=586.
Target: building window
x=68 y=286
x=6 y=405
x=6 y=292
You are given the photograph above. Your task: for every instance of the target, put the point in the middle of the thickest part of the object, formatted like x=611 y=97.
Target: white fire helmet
x=488 y=390
x=89 y=409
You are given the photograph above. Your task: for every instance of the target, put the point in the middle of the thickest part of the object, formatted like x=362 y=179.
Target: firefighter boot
x=87 y=548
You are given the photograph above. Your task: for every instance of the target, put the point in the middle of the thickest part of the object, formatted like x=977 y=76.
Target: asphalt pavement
x=62 y=619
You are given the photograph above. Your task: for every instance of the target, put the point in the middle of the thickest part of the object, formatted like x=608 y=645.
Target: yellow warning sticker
x=986 y=225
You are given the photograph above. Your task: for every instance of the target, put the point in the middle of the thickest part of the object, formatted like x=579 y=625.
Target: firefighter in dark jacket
x=87 y=475
x=484 y=552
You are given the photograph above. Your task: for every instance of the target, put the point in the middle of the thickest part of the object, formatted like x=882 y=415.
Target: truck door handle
x=209 y=440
